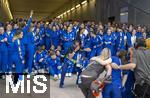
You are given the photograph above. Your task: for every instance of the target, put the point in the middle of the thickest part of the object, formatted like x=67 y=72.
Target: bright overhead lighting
x=68 y=11
x=78 y=5
x=64 y=13
x=72 y=9
x=125 y=13
x=84 y=2
x=58 y=16
x=61 y=15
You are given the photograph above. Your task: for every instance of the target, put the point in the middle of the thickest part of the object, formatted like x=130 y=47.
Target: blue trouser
x=63 y=74
x=127 y=90
x=53 y=70
x=127 y=93
x=48 y=43
x=10 y=61
x=67 y=45
x=3 y=61
x=17 y=61
x=41 y=65
x=112 y=91
x=79 y=70
x=69 y=69
x=56 y=43
x=30 y=57
x=42 y=42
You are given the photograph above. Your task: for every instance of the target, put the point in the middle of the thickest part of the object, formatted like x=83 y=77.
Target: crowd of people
x=62 y=48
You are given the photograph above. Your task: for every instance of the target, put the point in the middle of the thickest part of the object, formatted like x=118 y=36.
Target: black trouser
x=16 y=77
x=85 y=87
x=142 y=91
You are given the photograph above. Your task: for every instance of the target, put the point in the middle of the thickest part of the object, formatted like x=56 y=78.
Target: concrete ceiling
x=42 y=8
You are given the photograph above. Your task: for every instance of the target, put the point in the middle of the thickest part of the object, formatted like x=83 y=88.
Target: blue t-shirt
x=116 y=74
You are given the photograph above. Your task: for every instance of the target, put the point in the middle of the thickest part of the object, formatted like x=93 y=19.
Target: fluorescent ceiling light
x=68 y=11
x=125 y=13
x=72 y=9
x=84 y=2
x=64 y=13
x=78 y=5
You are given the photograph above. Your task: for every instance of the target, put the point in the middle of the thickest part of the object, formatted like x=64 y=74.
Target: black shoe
x=61 y=86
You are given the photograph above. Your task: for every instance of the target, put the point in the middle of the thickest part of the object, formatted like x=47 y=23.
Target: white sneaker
x=70 y=74
x=42 y=71
x=26 y=70
x=55 y=77
x=67 y=74
x=59 y=75
x=10 y=72
x=13 y=66
x=3 y=76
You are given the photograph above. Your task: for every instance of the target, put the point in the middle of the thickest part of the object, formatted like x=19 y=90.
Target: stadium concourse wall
x=137 y=11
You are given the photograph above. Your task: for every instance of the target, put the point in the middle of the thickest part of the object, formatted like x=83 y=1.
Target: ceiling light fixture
x=78 y=5
x=64 y=13
x=72 y=9
x=84 y=2
x=68 y=11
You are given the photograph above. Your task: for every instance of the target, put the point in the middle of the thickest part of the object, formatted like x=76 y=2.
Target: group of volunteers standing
x=63 y=47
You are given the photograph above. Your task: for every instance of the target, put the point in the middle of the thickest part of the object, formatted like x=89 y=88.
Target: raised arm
x=26 y=28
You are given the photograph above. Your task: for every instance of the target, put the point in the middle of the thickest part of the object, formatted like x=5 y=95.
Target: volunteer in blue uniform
x=120 y=40
x=25 y=39
x=109 y=41
x=39 y=60
x=68 y=39
x=3 y=51
x=54 y=66
x=9 y=34
x=17 y=56
x=127 y=40
x=139 y=33
x=48 y=38
x=113 y=90
x=101 y=41
x=87 y=47
x=55 y=36
x=37 y=37
x=30 y=50
x=42 y=34
x=26 y=28
x=114 y=39
x=68 y=61
x=95 y=43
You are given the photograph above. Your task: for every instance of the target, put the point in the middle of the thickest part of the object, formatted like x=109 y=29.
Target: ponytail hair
x=122 y=54
x=106 y=53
